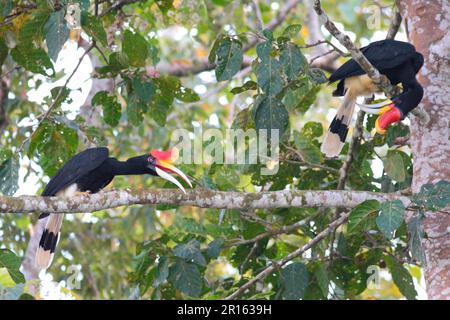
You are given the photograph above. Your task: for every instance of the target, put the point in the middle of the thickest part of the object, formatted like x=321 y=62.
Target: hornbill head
x=388 y=112
x=160 y=162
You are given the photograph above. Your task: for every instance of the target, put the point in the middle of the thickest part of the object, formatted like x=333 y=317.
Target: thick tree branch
x=379 y=79
x=203 y=198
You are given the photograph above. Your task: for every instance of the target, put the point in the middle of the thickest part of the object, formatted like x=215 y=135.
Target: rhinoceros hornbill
x=400 y=62
x=90 y=171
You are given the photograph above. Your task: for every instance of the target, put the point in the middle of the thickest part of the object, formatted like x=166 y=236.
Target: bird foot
x=82 y=193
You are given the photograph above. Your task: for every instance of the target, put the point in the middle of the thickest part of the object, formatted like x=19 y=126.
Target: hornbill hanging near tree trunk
x=90 y=171
x=400 y=62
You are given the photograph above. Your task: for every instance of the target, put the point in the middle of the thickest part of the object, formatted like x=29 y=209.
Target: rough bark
x=428 y=23
x=203 y=198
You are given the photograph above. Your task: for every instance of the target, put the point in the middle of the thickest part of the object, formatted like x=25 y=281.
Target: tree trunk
x=428 y=24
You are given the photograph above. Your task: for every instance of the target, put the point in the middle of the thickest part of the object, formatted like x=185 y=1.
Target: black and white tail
x=49 y=241
x=337 y=132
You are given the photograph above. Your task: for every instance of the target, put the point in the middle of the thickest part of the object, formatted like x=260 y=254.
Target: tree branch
x=277 y=264
x=379 y=79
x=203 y=198
x=204 y=65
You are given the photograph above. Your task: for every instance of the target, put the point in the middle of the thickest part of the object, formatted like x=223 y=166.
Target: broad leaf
x=293 y=61
x=190 y=252
x=433 y=197
x=12 y=263
x=268 y=74
x=111 y=108
x=416 y=234
x=214 y=248
x=310 y=153
x=249 y=85
x=56 y=33
x=391 y=217
x=361 y=217
x=229 y=59
x=394 y=166
x=94 y=28
x=9 y=176
x=32 y=59
x=135 y=47
x=294 y=280
x=402 y=278
x=271 y=114
x=186 y=277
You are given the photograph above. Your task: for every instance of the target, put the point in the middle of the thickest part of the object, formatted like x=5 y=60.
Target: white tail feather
x=335 y=137
x=49 y=241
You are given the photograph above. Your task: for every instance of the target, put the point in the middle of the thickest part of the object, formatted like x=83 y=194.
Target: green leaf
x=213 y=52
x=214 y=248
x=322 y=279
x=111 y=108
x=162 y=272
x=433 y=197
x=294 y=280
x=394 y=166
x=293 y=61
x=416 y=234
x=241 y=120
x=268 y=74
x=32 y=59
x=391 y=217
x=301 y=96
x=312 y=130
x=402 y=278
x=360 y=218
x=309 y=152
x=162 y=102
x=56 y=33
x=12 y=263
x=229 y=59
x=292 y=30
x=62 y=98
x=135 y=47
x=136 y=110
x=144 y=89
x=9 y=176
x=317 y=76
x=249 y=85
x=94 y=28
x=55 y=144
x=187 y=278
x=190 y=252
x=271 y=114
x=186 y=95
x=33 y=30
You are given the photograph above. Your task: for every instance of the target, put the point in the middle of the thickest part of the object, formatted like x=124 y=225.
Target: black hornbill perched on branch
x=400 y=62
x=90 y=171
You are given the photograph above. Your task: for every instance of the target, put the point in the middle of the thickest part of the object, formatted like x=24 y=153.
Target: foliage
x=148 y=80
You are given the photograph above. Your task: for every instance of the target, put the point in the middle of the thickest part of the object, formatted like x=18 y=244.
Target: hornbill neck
x=132 y=166
x=410 y=98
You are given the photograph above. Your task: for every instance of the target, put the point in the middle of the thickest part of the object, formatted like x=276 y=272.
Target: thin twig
x=258 y=14
x=58 y=96
x=277 y=264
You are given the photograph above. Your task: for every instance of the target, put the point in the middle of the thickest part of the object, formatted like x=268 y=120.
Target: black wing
x=75 y=168
x=384 y=54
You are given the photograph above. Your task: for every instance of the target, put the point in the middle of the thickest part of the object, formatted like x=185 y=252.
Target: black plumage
x=90 y=171
x=400 y=62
